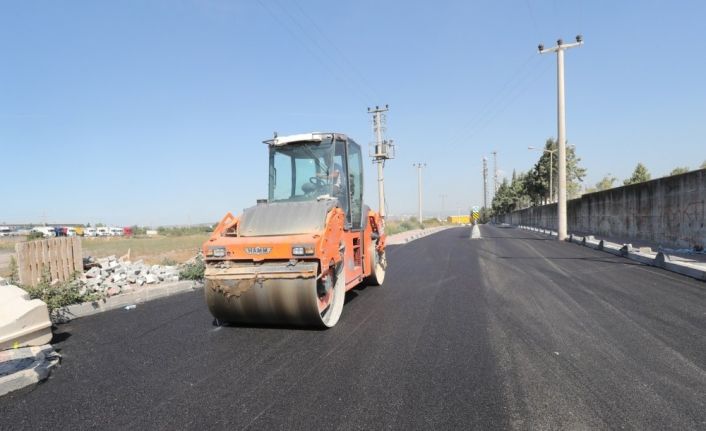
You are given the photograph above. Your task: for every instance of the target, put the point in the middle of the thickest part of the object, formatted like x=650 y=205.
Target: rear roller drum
x=378 y=263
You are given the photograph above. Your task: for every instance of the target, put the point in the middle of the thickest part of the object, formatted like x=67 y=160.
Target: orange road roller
x=290 y=259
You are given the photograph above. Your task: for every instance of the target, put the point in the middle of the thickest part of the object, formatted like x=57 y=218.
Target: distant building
x=459 y=219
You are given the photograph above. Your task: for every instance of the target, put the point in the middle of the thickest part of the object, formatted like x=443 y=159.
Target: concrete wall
x=668 y=211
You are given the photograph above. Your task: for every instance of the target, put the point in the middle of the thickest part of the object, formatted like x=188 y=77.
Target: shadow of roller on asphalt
x=266 y=326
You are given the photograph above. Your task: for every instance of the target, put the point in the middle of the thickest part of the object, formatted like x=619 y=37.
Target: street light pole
x=419 y=167
x=561 y=126
x=551 y=170
x=551 y=175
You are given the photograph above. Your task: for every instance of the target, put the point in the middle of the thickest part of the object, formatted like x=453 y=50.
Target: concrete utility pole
x=495 y=173
x=561 y=126
x=382 y=150
x=419 y=167
x=485 y=182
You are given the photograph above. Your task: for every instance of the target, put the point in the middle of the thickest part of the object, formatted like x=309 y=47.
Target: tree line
x=539 y=185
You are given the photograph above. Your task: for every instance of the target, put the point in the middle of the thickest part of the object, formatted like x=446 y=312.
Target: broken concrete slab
x=26 y=366
x=23 y=321
x=93 y=272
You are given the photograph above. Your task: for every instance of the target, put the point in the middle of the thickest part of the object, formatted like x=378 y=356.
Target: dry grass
x=7 y=243
x=150 y=249
x=153 y=250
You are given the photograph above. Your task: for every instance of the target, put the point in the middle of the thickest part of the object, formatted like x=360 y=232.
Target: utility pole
x=485 y=182
x=495 y=173
x=381 y=150
x=561 y=126
x=419 y=166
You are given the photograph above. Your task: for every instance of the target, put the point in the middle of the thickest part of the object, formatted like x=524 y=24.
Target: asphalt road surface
x=512 y=331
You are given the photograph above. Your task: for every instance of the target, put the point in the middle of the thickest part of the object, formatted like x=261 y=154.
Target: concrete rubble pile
x=112 y=276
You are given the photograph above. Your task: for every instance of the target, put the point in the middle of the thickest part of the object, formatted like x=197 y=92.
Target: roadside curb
x=140 y=296
x=25 y=366
x=643 y=255
x=409 y=236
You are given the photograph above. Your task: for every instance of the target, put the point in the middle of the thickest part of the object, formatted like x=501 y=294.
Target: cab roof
x=278 y=141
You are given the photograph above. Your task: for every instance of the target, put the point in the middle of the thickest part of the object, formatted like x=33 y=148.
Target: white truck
x=47 y=231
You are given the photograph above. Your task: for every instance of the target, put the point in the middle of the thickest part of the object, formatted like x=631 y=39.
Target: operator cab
x=316 y=166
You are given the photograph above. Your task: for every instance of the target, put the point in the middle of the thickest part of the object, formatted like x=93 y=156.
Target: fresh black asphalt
x=512 y=331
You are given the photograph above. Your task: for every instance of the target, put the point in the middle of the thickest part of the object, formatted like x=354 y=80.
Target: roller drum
x=272 y=295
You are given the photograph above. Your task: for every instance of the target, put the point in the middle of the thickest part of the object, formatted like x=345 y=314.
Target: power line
x=536 y=74
x=349 y=64
x=516 y=79
x=317 y=56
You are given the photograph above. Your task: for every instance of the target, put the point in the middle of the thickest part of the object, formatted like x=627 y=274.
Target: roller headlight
x=217 y=251
x=303 y=250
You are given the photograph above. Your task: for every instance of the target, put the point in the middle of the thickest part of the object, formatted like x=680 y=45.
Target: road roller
x=289 y=259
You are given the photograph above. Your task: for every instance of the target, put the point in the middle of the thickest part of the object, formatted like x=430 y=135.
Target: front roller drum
x=276 y=298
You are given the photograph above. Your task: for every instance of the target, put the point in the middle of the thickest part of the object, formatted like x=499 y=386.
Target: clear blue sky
x=152 y=112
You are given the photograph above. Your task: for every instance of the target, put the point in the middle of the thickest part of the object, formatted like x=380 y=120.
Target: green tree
x=679 y=170
x=639 y=175
x=511 y=195
x=606 y=183
x=538 y=180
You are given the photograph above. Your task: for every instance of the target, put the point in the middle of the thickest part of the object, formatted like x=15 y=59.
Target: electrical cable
x=313 y=53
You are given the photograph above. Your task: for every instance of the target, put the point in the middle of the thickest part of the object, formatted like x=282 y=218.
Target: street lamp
x=551 y=170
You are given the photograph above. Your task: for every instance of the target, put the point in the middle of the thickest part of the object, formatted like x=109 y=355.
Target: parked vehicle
x=127 y=231
x=5 y=231
x=102 y=231
x=70 y=231
x=90 y=231
x=116 y=231
x=79 y=230
x=47 y=231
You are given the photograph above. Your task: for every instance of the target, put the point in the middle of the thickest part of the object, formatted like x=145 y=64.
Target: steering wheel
x=318 y=182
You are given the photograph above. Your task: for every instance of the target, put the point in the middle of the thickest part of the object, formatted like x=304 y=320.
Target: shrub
x=57 y=295
x=182 y=231
x=193 y=270
x=168 y=262
x=14 y=271
x=35 y=235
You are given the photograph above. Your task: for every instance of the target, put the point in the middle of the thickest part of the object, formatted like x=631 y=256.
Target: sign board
x=475 y=214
